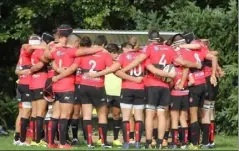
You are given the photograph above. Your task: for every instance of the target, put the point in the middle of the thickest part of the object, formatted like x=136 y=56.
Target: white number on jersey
x=60 y=63
x=136 y=72
x=196 y=56
x=162 y=60
x=93 y=65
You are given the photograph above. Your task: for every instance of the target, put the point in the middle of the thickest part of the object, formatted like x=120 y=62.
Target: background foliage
x=212 y=19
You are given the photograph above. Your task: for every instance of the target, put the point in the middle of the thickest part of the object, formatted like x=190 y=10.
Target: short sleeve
x=120 y=59
x=77 y=60
x=145 y=50
x=108 y=59
x=72 y=52
x=148 y=62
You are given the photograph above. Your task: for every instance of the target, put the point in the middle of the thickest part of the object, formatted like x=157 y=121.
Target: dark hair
x=153 y=35
x=47 y=37
x=112 y=48
x=127 y=45
x=189 y=36
x=64 y=30
x=85 y=41
x=100 y=40
x=176 y=38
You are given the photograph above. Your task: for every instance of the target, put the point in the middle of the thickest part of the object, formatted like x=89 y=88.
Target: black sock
x=139 y=126
x=205 y=131
x=184 y=134
x=83 y=131
x=39 y=128
x=148 y=141
x=125 y=130
x=159 y=141
x=103 y=132
x=17 y=136
x=63 y=130
x=23 y=130
x=46 y=122
x=131 y=135
x=155 y=133
x=174 y=133
x=87 y=126
x=116 y=128
x=52 y=130
x=74 y=127
x=67 y=131
x=166 y=135
x=195 y=133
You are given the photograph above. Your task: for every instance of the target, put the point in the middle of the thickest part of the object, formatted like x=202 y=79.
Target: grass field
x=222 y=143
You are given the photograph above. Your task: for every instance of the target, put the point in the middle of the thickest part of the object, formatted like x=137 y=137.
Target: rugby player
x=158 y=56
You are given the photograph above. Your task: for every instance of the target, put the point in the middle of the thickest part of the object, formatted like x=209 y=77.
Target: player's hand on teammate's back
x=179 y=86
x=172 y=74
x=55 y=79
x=213 y=80
x=199 y=65
x=139 y=79
x=25 y=72
x=91 y=74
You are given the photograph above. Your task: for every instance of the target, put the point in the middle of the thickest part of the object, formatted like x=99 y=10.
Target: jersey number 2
x=93 y=65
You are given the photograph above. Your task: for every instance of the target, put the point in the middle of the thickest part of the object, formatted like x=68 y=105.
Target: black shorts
x=134 y=97
x=113 y=101
x=197 y=95
x=179 y=102
x=25 y=92
x=157 y=96
x=48 y=92
x=77 y=94
x=37 y=94
x=211 y=91
x=93 y=95
x=18 y=95
x=65 y=97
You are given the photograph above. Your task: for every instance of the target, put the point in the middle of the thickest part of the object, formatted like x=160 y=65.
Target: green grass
x=222 y=143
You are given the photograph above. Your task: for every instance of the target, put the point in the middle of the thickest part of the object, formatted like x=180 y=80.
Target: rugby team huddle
x=170 y=85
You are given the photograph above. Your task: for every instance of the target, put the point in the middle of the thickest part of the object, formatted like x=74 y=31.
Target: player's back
x=93 y=63
x=125 y=59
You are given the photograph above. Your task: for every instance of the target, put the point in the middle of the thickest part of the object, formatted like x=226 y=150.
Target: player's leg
x=155 y=129
x=139 y=104
x=41 y=112
x=76 y=116
x=194 y=100
x=166 y=134
x=174 y=113
x=183 y=121
x=16 y=140
x=132 y=125
x=67 y=100
x=53 y=123
x=152 y=98
x=162 y=109
x=116 y=120
x=32 y=124
x=26 y=98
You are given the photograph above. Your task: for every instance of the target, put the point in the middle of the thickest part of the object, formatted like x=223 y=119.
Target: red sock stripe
x=89 y=134
x=50 y=133
x=137 y=127
x=127 y=131
x=186 y=136
x=101 y=135
x=31 y=134
x=45 y=130
x=212 y=126
x=175 y=139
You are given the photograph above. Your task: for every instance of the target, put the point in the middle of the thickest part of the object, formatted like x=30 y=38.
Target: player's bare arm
x=188 y=64
x=125 y=76
x=190 y=46
x=115 y=66
x=66 y=72
x=159 y=72
x=88 y=51
x=37 y=67
x=184 y=77
x=214 y=68
x=20 y=72
x=140 y=58
x=213 y=52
